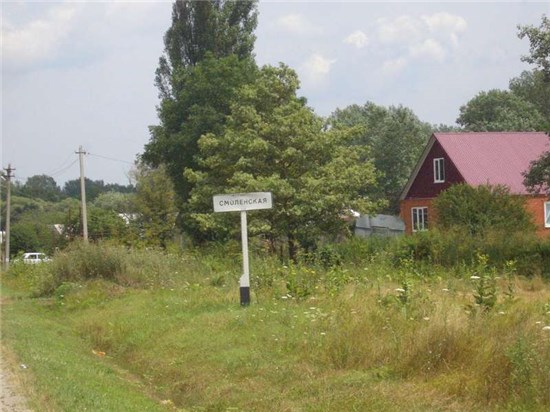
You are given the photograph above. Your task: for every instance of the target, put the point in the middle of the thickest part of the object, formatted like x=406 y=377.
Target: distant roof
x=494 y=157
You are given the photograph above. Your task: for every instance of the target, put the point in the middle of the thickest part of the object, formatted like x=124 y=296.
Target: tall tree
x=207 y=57
x=395 y=136
x=539 y=50
x=536 y=89
x=155 y=205
x=93 y=188
x=274 y=142
x=499 y=110
x=532 y=87
x=41 y=187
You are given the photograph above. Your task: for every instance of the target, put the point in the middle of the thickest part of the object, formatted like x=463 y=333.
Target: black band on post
x=245 y=296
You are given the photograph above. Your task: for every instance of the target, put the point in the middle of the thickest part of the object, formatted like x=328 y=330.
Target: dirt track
x=10 y=398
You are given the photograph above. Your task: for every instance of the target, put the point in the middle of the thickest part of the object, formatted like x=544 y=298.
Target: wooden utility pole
x=8 y=215
x=81 y=154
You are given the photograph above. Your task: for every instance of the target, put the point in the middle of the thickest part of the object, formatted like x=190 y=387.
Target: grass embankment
x=147 y=331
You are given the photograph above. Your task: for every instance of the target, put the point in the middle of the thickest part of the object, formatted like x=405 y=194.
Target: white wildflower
x=546 y=328
x=475 y=277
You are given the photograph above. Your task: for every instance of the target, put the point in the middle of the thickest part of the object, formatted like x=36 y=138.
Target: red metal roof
x=494 y=157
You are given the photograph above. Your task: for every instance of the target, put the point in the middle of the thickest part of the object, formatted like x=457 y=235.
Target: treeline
x=45 y=187
x=227 y=125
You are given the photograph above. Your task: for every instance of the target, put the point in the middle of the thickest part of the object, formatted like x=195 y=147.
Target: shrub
x=482 y=208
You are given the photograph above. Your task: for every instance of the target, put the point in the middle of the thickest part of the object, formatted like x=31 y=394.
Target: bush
x=482 y=208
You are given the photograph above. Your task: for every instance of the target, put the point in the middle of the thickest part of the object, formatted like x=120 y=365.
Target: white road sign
x=240 y=202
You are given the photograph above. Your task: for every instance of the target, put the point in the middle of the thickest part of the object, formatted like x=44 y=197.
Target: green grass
x=369 y=336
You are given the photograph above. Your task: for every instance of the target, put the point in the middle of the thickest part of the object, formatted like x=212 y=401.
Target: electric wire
x=110 y=158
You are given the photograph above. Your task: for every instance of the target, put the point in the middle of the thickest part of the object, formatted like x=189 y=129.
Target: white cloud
x=297 y=24
x=38 y=39
x=446 y=22
x=395 y=66
x=316 y=68
x=434 y=36
x=357 y=39
x=429 y=48
x=402 y=29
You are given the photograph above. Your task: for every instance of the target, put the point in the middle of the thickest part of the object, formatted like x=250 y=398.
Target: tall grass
x=361 y=326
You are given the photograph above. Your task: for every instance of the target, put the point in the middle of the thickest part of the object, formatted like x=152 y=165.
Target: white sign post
x=241 y=202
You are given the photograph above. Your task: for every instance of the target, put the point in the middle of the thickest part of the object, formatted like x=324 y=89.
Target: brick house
x=476 y=159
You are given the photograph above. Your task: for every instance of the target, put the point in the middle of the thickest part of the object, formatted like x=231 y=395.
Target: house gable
x=475 y=158
x=424 y=185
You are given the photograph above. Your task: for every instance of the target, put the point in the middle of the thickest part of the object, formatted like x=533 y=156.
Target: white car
x=35 y=257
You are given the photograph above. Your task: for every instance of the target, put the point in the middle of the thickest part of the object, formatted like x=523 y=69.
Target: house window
x=420 y=218
x=547 y=214
x=439 y=170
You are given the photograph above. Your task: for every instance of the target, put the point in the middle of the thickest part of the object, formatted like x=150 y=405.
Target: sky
x=82 y=73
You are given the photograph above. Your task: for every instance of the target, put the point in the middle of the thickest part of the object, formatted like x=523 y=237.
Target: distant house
x=381 y=225
x=475 y=159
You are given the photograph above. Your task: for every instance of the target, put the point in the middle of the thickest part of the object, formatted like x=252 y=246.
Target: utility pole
x=81 y=154
x=8 y=215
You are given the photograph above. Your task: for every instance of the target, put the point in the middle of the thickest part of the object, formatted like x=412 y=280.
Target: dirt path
x=10 y=393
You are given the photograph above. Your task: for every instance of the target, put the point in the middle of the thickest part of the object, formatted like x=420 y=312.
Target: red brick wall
x=406 y=214
x=534 y=205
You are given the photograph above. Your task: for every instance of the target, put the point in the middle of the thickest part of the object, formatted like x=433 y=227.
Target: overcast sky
x=81 y=73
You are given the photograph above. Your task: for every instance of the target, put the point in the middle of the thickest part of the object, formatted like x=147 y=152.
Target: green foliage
x=155 y=206
x=274 y=142
x=379 y=128
x=478 y=209
x=498 y=110
x=537 y=178
x=116 y=201
x=533 y=87
x=208 y=56
x=41 y=187
x=484 y=279
x=34 y=236
x=539 y=39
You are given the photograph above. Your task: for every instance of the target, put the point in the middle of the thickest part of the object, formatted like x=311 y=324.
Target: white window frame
x=547 y=214
x=422 y=220
x=439 y=170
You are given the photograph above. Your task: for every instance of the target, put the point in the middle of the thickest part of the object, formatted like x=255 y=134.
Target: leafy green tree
x=537 y=178
x=41 y=187
x=116 y=201
x=539 y=51
x=102 y=224
x=482 y=208
x=532 y=87
x=396 y=138
x=155 y=205
x=93 y=188
x=499 y=110
x=207 y=57
x=274 y=142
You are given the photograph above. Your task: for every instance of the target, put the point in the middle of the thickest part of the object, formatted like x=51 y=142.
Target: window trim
x=547 y=214
x=425 y=220
x=439 y=169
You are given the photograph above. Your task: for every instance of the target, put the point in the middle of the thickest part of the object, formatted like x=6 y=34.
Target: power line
x=111 y=158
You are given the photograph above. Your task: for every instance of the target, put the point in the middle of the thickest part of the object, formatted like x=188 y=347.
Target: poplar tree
x=207 y=56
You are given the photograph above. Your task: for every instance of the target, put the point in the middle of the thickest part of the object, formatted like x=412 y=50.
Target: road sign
x=239 y=202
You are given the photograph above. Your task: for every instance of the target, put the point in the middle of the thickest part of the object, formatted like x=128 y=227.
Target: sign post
x=242 y=202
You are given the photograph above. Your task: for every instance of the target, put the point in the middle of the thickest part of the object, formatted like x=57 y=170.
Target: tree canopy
x=274 y=142
x=207 y=57
x=539 y=50
x=395 y=137
x=499 y=110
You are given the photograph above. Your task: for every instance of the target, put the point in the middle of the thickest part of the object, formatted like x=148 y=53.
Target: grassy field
x=104 y=328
